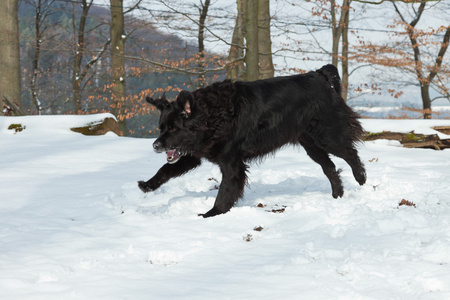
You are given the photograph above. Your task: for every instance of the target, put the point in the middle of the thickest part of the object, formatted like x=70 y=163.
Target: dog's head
x=177 y=138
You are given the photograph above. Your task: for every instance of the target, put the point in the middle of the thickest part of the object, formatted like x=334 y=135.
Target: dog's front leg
x=168 y=171
x=231 y=188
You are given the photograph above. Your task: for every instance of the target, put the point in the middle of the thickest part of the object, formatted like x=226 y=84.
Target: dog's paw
x=213 y=212
x=338 y=192
x=361 y=177
x=206 y=215
x=144 y=186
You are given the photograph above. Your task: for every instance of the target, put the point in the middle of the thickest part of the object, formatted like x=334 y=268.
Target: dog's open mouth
x=173 y=156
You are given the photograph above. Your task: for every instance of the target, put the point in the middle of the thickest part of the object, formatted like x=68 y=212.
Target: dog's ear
x=160 y=103
x=185 y=101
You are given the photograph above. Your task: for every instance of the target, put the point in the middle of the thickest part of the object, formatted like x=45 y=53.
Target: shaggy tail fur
x=332 y=75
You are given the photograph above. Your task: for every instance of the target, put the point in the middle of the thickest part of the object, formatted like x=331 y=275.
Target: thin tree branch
x=404 y=1
x=440 y=56
x=16 y=110
x=187 y=16
x=185 y=71
x=94 y=60
x=410 y=30
x=132 y=7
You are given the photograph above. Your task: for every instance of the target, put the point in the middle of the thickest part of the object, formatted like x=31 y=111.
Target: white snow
x=74 y=225
x=48 y=125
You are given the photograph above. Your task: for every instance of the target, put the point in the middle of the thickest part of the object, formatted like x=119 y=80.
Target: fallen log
x=99 y=128
x=411 y=139
x=443 y=129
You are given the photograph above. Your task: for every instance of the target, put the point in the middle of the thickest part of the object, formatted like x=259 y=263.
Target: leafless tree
x=118 y=36
x=425 y=75
x=81 y=69
x=43 y=12
x=10 y=54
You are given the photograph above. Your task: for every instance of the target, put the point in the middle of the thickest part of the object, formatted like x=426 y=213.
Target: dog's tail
x=332 y=75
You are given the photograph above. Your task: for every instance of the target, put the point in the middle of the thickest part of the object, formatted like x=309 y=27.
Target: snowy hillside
x=74 y=225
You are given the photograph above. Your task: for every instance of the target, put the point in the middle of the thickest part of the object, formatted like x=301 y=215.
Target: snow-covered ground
x=74 y=225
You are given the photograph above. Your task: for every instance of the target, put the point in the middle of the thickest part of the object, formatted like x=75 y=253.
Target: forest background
x=85 y=56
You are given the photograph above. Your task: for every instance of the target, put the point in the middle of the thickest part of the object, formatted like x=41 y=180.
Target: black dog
x=232 y=123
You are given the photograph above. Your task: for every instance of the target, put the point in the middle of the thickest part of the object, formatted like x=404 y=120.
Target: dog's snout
x=157 y=146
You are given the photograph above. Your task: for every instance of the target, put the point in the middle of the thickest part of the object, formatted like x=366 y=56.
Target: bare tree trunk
x=10 y=54
x=424 y=81
x=80 y=70
x=79 y=48
x=118 y=63
x=236 y=70
x=203 y=10
x=426 y=100
x=417 y=63
x=425 y=86
x=337 y=27
x=35 y=63
x=335 y=34
x=253 y=23
x=266 y=69
x=344 y=59
x=43 y=10
x=251 y=37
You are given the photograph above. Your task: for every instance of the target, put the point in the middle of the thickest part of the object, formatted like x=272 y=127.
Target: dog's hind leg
x=231 y=188
x=350 y=155
x=329 y=169
x=168 y=171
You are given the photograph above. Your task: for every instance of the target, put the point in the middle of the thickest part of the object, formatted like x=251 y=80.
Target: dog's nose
x=157 y=145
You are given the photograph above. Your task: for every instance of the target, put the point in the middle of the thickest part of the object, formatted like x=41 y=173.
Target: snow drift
x=74 y=225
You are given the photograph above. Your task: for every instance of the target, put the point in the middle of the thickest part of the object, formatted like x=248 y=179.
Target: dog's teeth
x=173 y=156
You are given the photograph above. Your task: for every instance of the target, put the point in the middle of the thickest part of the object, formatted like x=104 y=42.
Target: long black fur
x=232 y=123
